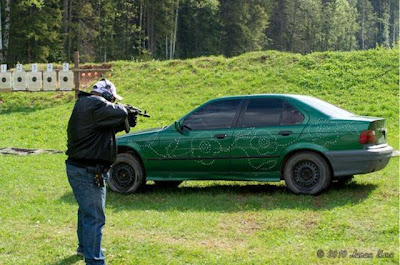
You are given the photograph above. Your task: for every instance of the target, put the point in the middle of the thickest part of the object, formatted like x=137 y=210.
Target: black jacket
x=91 y=130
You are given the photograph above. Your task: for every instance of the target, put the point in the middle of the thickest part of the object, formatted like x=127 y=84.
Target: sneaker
x=81 y=254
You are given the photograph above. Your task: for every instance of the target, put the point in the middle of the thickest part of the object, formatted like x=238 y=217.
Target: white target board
x=19 y=80
x=49 y=81
x=66 y=80
x=5 y=81
x=35 y=81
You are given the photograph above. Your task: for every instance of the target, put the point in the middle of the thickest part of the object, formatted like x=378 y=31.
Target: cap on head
x=105 y=85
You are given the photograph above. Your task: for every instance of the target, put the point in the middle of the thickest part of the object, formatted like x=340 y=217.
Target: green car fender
x=302 y=146
x=125 y=147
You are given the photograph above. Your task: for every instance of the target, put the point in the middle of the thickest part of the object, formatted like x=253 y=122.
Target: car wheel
x=307 y=173
x=126 y=174
x=167 y=183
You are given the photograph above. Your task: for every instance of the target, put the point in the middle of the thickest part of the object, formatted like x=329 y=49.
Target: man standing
x=91 y=151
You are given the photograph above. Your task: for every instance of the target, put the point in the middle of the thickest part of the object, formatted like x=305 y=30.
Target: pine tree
x=198 y=29
x=367 y=20
x=303 y=31
x=34 y=34
x=237 y=19
x=343 y=26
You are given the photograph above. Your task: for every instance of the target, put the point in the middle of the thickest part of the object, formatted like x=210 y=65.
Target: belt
x=75 y=163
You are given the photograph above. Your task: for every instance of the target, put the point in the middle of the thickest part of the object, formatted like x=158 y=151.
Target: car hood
x=146 y=132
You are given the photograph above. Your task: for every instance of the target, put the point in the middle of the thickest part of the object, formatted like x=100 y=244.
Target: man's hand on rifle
x=132 y=119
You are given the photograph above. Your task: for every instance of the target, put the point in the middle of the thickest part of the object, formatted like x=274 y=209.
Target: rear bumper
x=359 y=161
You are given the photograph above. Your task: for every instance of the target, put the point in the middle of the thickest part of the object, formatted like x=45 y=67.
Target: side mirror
x=178 y=126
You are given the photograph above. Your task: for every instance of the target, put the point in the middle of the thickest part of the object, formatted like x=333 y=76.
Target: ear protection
x=107 y=95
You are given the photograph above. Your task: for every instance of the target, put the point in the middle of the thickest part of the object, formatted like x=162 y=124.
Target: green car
x=302 y=140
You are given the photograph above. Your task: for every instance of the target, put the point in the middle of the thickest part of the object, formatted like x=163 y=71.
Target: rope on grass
x=25 y=151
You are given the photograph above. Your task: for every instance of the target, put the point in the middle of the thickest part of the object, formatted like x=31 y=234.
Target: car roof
x=260 y=95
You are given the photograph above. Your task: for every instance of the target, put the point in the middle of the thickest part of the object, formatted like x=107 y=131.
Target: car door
x=203 y=145
x=265 y=128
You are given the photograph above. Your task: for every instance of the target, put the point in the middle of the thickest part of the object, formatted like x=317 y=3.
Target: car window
x=290 y=115
x=325 y=107
x=216 y=115
x=264 y=112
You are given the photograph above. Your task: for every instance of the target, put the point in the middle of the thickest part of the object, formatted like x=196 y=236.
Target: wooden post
x=77 y=73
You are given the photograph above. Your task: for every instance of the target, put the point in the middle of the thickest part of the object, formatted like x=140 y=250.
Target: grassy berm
x=207 y=222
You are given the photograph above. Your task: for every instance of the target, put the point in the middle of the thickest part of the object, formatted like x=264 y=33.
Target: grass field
x=206 y=222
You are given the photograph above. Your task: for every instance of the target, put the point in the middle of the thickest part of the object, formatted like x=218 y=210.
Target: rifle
x=133 y=112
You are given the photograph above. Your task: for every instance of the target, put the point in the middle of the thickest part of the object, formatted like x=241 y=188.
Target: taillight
x=367 y=137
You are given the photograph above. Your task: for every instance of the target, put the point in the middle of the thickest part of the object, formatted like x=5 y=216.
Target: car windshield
x=325 y=107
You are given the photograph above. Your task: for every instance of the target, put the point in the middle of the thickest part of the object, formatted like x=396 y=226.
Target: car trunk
x=378 y=126
x=373 y=132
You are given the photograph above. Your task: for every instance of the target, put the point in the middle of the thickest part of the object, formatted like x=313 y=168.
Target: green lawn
x=205 y=222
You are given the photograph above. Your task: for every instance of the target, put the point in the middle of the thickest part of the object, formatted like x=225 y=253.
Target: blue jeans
x=91 y=218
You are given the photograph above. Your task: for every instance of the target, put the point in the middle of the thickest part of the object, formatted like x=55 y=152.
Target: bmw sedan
x=302 y=140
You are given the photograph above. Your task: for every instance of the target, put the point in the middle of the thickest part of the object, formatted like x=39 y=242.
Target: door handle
x=220 y=136
x=285 y=133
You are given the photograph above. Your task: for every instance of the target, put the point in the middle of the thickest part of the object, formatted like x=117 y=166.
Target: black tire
x=127 y=174
x=168 y=183
x=307 y=173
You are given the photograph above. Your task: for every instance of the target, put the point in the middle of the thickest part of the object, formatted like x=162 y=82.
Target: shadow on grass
x=34 y=102
x=26 y=110
x=69 y=260
x=234 y=197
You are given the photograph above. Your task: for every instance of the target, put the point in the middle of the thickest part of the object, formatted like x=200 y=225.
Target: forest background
x=109 y=30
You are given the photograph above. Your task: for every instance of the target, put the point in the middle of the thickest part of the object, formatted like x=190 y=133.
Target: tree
x=394 y=18
x=343 y=29
x=304 y=26
x=237 y=20
x=84 y=29
x=198 y=29
x=106 y=12
x=277 y=25
x=102 y=30
x=125 y=33
x=367 y=20
x=34 y=33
